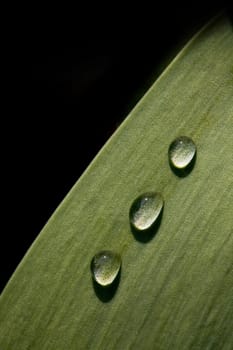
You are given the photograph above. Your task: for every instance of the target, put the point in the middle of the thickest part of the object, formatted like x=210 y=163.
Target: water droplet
x=181 y=154
x=105 y=267
x=146 y=210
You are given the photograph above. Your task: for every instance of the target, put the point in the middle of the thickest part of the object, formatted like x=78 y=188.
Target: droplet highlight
x=181 y=154
x=145 y=211
x=105 y=267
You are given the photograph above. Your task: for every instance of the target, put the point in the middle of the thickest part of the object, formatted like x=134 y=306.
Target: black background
x=72 y=76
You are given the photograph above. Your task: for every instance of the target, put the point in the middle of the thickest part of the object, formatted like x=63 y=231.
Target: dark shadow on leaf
x=105 y=294
x=183 y=172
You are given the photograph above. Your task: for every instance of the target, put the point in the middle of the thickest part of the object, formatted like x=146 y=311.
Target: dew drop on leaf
x=145 y=211
x=105 y=267
x=181 y=153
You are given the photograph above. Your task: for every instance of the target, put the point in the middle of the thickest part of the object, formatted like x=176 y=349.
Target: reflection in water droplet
x=105 y=267
x=182 y=153
x=145 y=210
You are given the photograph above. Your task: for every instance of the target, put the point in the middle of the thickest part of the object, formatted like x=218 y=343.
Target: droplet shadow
x=183 y=172
x=105 y=294
x=144 y=236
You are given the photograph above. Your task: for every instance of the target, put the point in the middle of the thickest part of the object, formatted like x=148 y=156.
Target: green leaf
x=175 y=291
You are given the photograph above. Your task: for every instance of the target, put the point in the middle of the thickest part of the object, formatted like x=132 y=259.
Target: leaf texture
x=176 y=290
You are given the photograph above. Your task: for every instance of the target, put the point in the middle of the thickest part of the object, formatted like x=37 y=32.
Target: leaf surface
x=176 y=290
